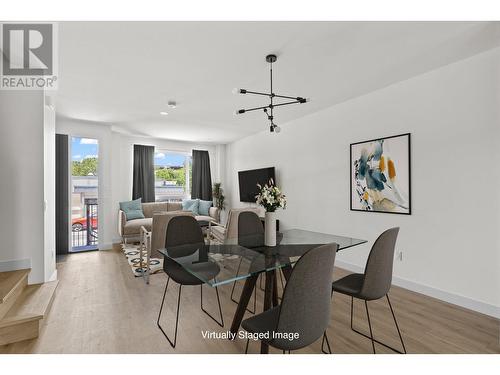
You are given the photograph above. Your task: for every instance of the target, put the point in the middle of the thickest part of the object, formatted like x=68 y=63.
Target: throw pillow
x=132 y=209
x=191 y=205
x=204 y=207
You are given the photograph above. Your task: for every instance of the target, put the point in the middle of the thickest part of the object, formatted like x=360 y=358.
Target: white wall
x=450 y=243
x=49 y=192
x=22 y=182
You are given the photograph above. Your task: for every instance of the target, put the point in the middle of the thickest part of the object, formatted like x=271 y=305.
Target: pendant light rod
x=270 y=106
x=245 y=91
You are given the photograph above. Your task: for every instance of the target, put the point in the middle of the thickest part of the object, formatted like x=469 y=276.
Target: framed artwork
x=380 y=175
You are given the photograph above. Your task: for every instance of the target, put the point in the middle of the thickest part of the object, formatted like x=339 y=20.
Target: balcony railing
x=84 y=231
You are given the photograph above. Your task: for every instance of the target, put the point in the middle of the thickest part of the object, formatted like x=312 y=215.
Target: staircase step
x=22 y=322
x=12 y=284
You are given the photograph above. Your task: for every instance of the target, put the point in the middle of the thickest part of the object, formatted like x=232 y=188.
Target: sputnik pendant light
x=269 y=109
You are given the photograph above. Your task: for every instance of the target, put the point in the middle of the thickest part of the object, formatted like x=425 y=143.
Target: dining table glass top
x=240 y=258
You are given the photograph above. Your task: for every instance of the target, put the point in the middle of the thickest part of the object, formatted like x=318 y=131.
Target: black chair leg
x=370 y=326
x=246 y=348
x=177 y=315
x=325 y=338
x=371 y=332
x=396 y=323
x=255 y=292
x=352 y=310
x=221 y=323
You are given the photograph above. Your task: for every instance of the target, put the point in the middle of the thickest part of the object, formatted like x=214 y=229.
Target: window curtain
x=144 y=176
x=202 y=180
x=62 y=194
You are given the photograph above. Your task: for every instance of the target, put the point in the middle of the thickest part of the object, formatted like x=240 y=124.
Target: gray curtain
x=144 y=175
x=202 y=181
x=62 y=194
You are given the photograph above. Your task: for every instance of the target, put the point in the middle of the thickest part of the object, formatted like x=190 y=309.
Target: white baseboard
x=13 y=265
x=53 y=277
x=105 y=246
x=456 y=299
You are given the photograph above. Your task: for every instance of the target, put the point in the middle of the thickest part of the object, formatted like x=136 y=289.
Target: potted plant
x=271 y=198
x=218 y=195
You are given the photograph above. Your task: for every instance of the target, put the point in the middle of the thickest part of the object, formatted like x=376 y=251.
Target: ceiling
x=123 y=73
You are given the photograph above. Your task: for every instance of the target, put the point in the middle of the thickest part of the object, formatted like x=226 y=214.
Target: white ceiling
x=123 y=73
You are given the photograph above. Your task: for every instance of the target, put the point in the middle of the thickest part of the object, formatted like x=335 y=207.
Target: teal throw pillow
x=204 y=206
x=191 y=205
x=132 y=209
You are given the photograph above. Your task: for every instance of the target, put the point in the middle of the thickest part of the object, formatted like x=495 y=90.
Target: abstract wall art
x=380 y=175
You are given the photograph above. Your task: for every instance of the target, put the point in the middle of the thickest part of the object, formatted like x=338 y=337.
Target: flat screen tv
x=249 y=179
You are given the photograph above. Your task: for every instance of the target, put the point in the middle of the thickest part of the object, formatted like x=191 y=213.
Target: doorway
x=84 y=194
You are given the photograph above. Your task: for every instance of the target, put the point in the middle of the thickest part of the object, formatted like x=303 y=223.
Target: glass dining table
x=245 y=258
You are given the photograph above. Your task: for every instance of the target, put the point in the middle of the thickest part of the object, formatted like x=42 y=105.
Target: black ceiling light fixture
x=269 y=109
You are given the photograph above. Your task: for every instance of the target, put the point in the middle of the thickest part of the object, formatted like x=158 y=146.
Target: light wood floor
x=101 y=308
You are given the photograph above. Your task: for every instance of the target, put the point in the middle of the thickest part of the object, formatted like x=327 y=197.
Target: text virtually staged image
x=264 y=187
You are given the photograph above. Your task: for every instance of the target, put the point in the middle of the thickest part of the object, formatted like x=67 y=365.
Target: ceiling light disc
x=271 y=58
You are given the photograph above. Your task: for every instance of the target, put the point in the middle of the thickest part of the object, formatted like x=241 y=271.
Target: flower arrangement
x=270 y=197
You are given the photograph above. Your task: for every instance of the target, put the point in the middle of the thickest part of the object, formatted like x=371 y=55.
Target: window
x=172 y=176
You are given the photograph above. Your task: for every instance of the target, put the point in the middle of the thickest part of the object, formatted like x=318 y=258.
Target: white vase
x=270 y=229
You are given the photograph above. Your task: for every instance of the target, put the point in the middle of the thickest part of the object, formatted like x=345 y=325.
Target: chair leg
x=325 y=338
x=177 y=315
x=396 y=323
x=246 y=348
x=370 y=326
x=352 y=310
x=255 y=294
x=221 y=323
x=371 y=332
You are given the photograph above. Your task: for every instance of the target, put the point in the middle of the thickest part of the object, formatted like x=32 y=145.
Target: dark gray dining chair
x=305 y=307
x=184 y=237
x=250 y=230
x=250 y=235
x=374 y=283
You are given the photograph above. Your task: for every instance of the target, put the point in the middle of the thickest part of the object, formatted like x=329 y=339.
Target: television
x=249 y=179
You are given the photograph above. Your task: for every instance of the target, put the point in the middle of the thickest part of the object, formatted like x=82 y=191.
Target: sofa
x=132 y=228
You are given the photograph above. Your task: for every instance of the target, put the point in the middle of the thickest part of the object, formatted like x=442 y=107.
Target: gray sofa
x=132 y=228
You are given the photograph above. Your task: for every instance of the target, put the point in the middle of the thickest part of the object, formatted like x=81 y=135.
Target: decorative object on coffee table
x=271 y=198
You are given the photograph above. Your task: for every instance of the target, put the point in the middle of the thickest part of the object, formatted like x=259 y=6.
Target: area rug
x=132 y=251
